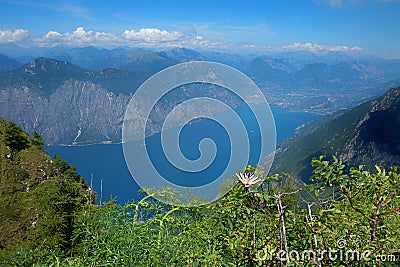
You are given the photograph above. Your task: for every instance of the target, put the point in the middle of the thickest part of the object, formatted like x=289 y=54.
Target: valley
x=199 y=133
x=93 y=94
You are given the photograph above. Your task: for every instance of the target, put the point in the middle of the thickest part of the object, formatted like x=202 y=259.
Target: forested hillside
x=39 y=197
x=367 y=134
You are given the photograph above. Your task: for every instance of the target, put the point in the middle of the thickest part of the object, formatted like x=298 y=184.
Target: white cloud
x=316 y=48
x=152 y=38
x=257 y=47
x=79 y=37
x=7 y=36
x=153 y=35
x=145 y=37
x=313 y=48
x=356 y=48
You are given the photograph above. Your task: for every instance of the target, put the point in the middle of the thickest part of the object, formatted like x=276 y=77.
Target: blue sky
x=315 y=25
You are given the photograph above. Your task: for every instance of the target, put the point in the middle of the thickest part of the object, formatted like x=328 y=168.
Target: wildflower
x=249 y=180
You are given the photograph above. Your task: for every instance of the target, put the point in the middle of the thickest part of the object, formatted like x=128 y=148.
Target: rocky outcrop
x=77 y=112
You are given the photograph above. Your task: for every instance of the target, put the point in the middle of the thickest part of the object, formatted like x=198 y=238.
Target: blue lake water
x=106 y=161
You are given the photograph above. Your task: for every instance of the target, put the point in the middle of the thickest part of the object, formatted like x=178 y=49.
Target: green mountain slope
x=367 y=134
x=38 y=196
x=45 y=75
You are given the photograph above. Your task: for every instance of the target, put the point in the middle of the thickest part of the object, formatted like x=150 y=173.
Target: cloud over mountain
x=8 y=36
x=316 y=48
x=151 y=38
x=144 y=37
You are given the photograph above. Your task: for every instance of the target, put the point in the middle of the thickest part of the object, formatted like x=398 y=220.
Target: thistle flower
x=249 y=180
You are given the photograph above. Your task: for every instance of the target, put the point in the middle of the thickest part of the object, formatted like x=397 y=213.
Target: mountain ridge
x=42 y=93
x=46 y=75
x=367 y=134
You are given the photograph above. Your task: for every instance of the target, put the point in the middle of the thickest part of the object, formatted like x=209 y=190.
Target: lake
x=106 y=161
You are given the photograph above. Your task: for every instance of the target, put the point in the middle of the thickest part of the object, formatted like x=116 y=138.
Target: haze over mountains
x=79 y=95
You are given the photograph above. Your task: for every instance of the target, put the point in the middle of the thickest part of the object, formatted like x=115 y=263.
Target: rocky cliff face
x=65 y=103
x=377 y=133
x=77 y=112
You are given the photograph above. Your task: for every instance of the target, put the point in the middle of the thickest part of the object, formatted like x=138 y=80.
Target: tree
x=367 y=211
x=37 y=140
x=15 y=138
x=39 y=200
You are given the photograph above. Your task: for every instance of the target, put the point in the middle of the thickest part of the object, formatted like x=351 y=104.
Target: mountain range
x=79 y=95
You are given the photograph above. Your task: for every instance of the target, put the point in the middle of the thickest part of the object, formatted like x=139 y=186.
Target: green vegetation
x=48 y=218
x=367 y=134
x=39 y=199
x=45 y=76
x=14 y=138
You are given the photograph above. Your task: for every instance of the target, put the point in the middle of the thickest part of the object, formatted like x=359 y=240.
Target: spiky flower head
x=249 y=180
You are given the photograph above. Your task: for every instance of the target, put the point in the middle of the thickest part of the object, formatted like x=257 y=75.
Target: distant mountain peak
x=43 y=74
x=48 y=65
x=181 y=54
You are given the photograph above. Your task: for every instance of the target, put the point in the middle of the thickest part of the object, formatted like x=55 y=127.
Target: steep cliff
x=65 y=103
